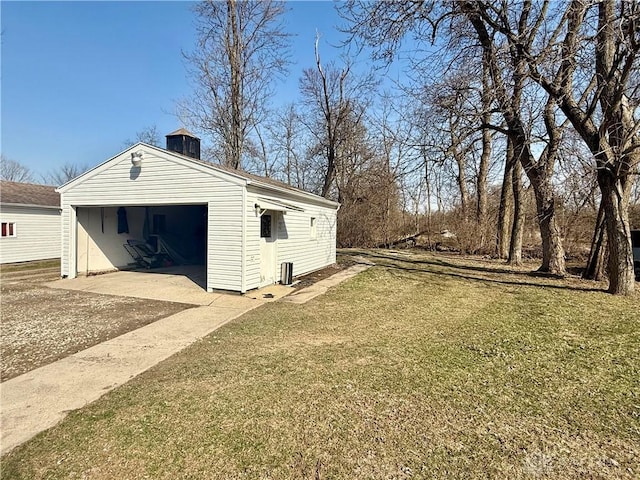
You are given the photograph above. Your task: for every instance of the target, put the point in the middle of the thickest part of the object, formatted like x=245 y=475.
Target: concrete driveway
x=183 y=284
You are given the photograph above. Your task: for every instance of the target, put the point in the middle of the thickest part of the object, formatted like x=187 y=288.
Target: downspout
x=72 y=266
x=243 y=246
x=60 y=210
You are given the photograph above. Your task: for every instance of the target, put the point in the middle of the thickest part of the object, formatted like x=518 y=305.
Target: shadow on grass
x=463 y=271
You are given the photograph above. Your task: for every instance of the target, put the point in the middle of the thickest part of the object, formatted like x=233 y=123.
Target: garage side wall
x=37 y=234
x=295 y=242
x=163 y=181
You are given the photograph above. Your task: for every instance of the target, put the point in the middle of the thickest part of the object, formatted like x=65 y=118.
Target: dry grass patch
x=41 y=325
x=416 y=368
x=27 y=266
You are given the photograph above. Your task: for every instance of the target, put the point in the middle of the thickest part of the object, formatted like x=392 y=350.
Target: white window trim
x=15 y=230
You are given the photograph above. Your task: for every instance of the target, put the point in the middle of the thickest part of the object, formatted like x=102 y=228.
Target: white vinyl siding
x=252 y=246
x=294 y=243
x=165 y=178
x=162 y=180
x=36 y=233
x=224 y=250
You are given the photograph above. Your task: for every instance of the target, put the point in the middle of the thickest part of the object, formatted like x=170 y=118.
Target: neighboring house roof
x=257 y=180
x=16 y=193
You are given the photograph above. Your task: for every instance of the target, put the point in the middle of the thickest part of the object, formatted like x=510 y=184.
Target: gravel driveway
x=41 y=324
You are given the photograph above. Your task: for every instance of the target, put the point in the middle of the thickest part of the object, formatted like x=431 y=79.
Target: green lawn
x=422 y=367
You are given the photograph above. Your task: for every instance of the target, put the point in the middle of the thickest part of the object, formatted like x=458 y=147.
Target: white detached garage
x=238 y=227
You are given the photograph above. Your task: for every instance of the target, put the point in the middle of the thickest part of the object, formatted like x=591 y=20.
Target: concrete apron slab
x=39 y=399
x=153 y=286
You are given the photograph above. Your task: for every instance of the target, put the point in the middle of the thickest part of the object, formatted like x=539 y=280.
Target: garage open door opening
x=157 y=239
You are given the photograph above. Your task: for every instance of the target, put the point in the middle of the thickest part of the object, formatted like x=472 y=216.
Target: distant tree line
x=516 y=124
x=515 y=128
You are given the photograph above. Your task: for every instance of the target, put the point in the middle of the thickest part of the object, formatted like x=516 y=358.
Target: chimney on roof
x=184 y=142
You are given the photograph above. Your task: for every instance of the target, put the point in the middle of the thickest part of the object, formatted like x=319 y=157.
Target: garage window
x=8 y=229
x=313 y=231
x=265 y=226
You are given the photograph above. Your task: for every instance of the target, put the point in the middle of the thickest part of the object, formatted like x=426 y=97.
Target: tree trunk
x=481 y=187
x=616 y=164
x=461 y=179
x=517 y=229
x=506 y=206
x=595 y=263
x=616 y=212
x=330 y=172
x=234 y=46
x=552 y=250
x=485 y=157
x=428 y=187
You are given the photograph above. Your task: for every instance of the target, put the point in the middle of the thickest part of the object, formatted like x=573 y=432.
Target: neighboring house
x=30 y=216
x=238 y=226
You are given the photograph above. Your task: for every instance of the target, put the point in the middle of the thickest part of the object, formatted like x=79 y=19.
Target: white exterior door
x=268 y=235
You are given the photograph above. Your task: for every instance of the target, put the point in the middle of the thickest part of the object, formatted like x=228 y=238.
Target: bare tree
x=586 y=57
x=148 y=135
x=486 y=101
x=286 y=138
x=337 y=98
x=391 y=131
x=258 y=155
x=13 y=171
x=64 y=173
x=383 y=26
x=242 y=48
x=509 y=85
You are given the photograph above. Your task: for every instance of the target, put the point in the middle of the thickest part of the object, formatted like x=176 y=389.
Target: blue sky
x=79 y=78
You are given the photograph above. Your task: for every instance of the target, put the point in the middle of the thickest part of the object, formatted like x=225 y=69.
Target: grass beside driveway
x=422 y=367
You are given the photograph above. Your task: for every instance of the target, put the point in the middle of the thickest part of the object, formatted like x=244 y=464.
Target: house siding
x=163 y=181
x=233 y=227
x=37 y=233
x=294 y=243
x=224 y=250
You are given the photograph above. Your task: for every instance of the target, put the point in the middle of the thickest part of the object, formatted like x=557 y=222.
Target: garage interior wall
x=99 y=243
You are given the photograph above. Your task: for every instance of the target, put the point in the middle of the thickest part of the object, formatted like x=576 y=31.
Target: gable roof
x=254 y=179
x=245 y=177
x=16 y=193
x=261 y=181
